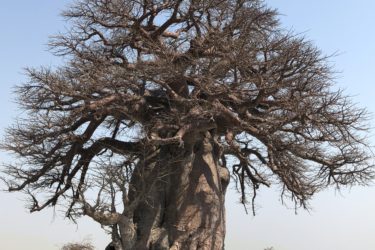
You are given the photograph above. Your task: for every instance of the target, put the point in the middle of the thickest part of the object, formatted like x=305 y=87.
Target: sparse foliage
x=159 y=99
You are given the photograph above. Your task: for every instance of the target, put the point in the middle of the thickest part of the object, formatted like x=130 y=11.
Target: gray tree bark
x=185 y=209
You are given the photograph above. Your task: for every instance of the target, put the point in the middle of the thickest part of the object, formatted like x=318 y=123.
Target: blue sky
x=344 y=221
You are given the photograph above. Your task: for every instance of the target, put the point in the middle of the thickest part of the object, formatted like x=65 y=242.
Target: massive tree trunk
x=185 y=207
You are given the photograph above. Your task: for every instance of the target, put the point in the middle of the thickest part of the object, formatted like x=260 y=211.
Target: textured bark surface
x=185 y=209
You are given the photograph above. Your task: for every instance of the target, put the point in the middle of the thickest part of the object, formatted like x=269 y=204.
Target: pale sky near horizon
x=337 y=221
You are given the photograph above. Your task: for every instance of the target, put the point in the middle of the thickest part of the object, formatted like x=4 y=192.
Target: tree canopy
x=142 y=76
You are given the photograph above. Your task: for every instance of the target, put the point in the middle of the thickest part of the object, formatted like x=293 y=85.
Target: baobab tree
x=159 y=103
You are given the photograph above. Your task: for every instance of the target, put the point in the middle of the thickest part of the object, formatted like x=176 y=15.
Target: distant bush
x=78 y=246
